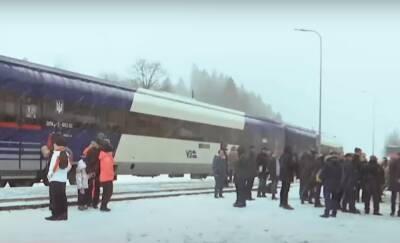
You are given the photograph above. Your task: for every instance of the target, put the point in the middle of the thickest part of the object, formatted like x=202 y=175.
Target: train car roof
x=60 y=72
x=187 y=100
x=300 y=130
x=94 y=80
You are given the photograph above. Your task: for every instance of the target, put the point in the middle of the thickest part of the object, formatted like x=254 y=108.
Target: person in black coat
x=317 y=185
x=240 y=168
x=219 y=170
x=351 y=176
x=372 y=183
x=331 y=177
x=93 y=170
x=286 y=174
x=305 y=175
x=273 y=176
x=262 y=163
x=394 y=182
x=251 y=172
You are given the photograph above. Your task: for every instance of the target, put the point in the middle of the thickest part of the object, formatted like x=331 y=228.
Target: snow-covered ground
x=199 y=219
x=123 y=184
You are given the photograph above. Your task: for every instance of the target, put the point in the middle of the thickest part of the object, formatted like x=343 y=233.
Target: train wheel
x=20 y=183
x=3 y=183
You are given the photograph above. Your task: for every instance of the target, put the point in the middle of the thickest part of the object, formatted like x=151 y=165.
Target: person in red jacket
x=106 y=174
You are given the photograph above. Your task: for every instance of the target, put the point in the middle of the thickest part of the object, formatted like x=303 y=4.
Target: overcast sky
x=252 y=42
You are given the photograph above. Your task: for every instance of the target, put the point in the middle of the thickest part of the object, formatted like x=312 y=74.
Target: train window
x=83 y=115
x=155 y=126
x=8 y=107
x=189 y=131
x=204 y=146
x=115 y=120
x=31 y=112
x=53 y=110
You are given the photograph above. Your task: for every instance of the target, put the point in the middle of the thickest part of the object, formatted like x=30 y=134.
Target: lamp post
x=320 y=85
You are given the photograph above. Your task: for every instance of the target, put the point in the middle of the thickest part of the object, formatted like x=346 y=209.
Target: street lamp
x=320 y=84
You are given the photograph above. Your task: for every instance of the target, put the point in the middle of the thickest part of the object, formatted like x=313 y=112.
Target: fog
x=251 y=42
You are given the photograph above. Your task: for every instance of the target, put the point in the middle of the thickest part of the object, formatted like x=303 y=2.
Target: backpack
x=63 y=160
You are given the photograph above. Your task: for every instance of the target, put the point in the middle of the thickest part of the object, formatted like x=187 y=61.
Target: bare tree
x=148 y=74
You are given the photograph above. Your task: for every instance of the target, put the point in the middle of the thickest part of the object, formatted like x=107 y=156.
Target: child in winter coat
x=82 y=185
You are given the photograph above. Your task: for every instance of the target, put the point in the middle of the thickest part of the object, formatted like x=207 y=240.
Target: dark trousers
x=393 y=200
x=230 y=175
x=331 y=201
x=240 y=184
x=349 y=198
x=83 y=198
x=302 y=188
x=219 y=185
x=262 y=186
x=107 y=193
x=274 y=185
x=305 y=191
x=249 y=187
x=285 y=193
x=58 y=198
x=317 y=194
x=94 y=190
x=371 y=191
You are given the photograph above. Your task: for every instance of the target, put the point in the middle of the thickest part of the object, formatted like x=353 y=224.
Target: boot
x=355 y=211
x=288 y=207
x=105 y=209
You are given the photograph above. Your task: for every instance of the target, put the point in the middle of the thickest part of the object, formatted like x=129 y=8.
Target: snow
x=202 y=219
x=123 y=184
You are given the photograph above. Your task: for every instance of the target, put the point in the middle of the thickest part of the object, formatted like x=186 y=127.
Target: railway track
x=42 y=202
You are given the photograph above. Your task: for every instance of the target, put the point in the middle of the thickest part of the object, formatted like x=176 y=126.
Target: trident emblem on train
x=59 y=106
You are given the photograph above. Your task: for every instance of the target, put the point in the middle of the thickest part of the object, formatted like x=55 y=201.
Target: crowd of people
x=342 y=179
x=94 y=170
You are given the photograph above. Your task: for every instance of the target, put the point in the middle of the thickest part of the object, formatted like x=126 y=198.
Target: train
x=152 y=132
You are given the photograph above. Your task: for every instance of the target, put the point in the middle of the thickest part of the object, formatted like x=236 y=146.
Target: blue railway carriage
x=152 y=132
